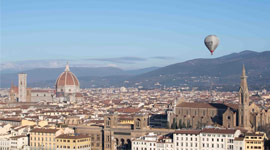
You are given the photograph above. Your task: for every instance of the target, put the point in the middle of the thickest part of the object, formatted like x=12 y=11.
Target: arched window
x=138 y=123
x=108 y=121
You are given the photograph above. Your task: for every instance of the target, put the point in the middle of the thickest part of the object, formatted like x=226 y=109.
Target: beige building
x=255 y=141
x=95 y=132
x=73 y=142
x=31 y=123
x=118 y=135
x=44 y=138
x=72 y=120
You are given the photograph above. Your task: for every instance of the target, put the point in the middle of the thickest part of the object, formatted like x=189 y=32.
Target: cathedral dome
x=67 y=82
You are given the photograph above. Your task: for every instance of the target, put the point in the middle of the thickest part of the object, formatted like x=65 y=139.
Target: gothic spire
x=243 y=71
x=244 y=85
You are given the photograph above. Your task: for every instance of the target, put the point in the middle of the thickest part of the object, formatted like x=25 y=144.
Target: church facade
x=246 y=115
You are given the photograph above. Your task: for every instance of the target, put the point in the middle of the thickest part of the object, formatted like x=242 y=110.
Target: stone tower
x=22 y=87
x=244 y=118
x=140 y=121
x=110 y=121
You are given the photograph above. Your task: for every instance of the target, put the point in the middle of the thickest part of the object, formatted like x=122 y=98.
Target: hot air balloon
x=211 y=42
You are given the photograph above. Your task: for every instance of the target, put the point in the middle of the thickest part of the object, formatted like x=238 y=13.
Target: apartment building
x=44 y=138
x=239 y=143
x=191 y=139
x=255 y=141
x=187 y=139
x=73 y=142
x=218 y=138
x=18 y=142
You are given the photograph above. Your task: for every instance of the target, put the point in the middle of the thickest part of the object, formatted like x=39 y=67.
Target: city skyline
x=139 y=75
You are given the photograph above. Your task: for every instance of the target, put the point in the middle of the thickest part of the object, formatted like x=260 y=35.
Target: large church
x=246 y=114
x=67 y=88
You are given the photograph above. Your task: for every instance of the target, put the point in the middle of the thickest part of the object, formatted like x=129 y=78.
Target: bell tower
x=22 y=86
x=243 y=114
x=110 y=121
x=140 y=121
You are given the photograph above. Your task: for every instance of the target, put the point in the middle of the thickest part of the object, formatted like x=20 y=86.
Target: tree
x=180 y=124
x=174 y=125
x=188 y=124
x=184 y=125
x=198 y=125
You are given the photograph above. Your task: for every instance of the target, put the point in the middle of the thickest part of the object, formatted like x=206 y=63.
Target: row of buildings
x=205 y=139
x=39 y=135
x=30 y=136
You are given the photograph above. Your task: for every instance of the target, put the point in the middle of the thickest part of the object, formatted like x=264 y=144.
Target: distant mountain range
x=219 y=72
x=45 y=77
x=222 y=73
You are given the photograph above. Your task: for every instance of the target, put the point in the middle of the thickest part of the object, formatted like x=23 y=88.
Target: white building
x=19 y=130
x=239 y=143
x=165 y=143
x=153 y=141
x=218 y=139
x=4 y=144
x=148 y=142
x=187 y=139
x=4 y=128
x=207 y=139
x=18 y=142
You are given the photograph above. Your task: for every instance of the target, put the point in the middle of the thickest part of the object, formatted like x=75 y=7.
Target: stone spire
x=244 y=102
x=244 y=85
x=67 y=67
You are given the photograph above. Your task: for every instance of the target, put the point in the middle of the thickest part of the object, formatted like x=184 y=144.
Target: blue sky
x=127 y=34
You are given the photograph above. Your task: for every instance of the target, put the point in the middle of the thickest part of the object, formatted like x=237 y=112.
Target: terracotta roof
x=11 y=119
x=218 y=131
x=68 y=136
x=17 y=137
x=42 y=91
x=79 y=95
x=128 y=110
x=14 y=89
x=254 y=134
x=42 y=130
x=239 y=138
x=67 y=78
x=187 y=131
x=207 y=105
